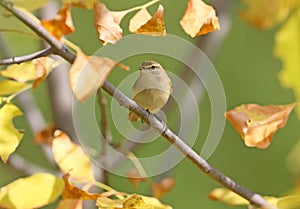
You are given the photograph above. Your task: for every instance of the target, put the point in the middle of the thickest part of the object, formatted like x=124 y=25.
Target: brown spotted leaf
x=257 y=124
x=199 y=18
x=143 y=23
x=61 y=24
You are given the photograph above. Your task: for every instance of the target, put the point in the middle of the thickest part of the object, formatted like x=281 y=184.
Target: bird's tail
x=133 y=117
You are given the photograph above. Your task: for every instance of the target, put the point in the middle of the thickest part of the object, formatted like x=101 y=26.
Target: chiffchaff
x=152 y=88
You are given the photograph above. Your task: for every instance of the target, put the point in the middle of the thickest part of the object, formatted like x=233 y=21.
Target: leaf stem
x=142 y=6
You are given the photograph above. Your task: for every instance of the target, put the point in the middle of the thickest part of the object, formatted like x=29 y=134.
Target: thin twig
x=17 y=60
x=154 y=122
x=105 y=131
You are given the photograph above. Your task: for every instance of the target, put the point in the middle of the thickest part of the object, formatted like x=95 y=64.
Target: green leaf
x=10 y=137
x=10 y=87
x=31 y=192
x=287 y=48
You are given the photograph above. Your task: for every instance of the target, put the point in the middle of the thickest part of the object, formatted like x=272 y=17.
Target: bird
x=152 y=89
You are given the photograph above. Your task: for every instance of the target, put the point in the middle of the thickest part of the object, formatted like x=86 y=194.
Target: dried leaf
x=87 y=74
x=107 y=24
x=37 y=69
x=143 y=23
x=286 y=48
x=163 y=187
x=257 y=124
x=199 y=18
x=10 y=137
x=133 y=201
x=135 y=178
x=87 y=4
x=73 y=192
x=71 y=158
x=10 y=87
x=31 y=192
x=61 y=24
x=264 y=14
x=46 y=135
x=227 y=196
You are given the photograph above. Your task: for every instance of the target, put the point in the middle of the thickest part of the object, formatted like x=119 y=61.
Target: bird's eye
x=153 y=67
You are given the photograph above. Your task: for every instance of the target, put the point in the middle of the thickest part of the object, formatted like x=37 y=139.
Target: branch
x=152 y=121
x=17 y=60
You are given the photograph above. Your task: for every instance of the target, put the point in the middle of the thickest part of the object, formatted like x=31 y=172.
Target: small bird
x=152 y=88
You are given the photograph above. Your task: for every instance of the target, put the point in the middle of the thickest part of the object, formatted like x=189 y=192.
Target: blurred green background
x=248 y=71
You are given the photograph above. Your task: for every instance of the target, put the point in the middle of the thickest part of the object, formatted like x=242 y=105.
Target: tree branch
x=17 y=60
x=155 y=123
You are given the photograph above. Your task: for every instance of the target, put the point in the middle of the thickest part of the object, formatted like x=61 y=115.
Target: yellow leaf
x=71 y=158
x=264 y=14
x=31 y=192
x=287 y=42
x=107 y=26
x=87 y=4
x=87 y=74
x=143 y=23
x=10 y=137
x=289 y=202
x=257 y=124
x=73 y=192
x=30 y=5
x=199 y=18
x=10 y=87
x=133 y=201
x=227 y=196
x=61 y=24
x=37 y=69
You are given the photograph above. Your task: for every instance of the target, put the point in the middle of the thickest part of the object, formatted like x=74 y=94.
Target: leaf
x=73 y=192
x=37 y=69
x=135 y=178
x=62 y=24
x=143 y=23
x=163 y=187
x=87 y=4
x=30 y=5
x=71 y=158
x=10 y=137
x=106 y=24
x=87 y=74
x=264 y=14
x=287 y=49
x=10 y=87
x=199 y=18
x=257 y=124
x=31 y=192
x=133 y=201
x=46 y=135
x=227 y=196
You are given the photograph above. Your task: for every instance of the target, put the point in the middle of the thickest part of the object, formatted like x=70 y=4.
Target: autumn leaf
x=46 y=135
x=10 y=137
x=87 y=74
x=133 y=201
x=163 y=187
x=31 y=192
x=286 y=48
x=87 y=4
x=73 y=192
x=37 y=70
x=10 y=87
x=257 y=124
x=106 y=24
x=143 y=23
x=227 y=196
x=264 y=14
x=199 y=18
x=135 y=178
x=61 y=24
x=71 y=158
